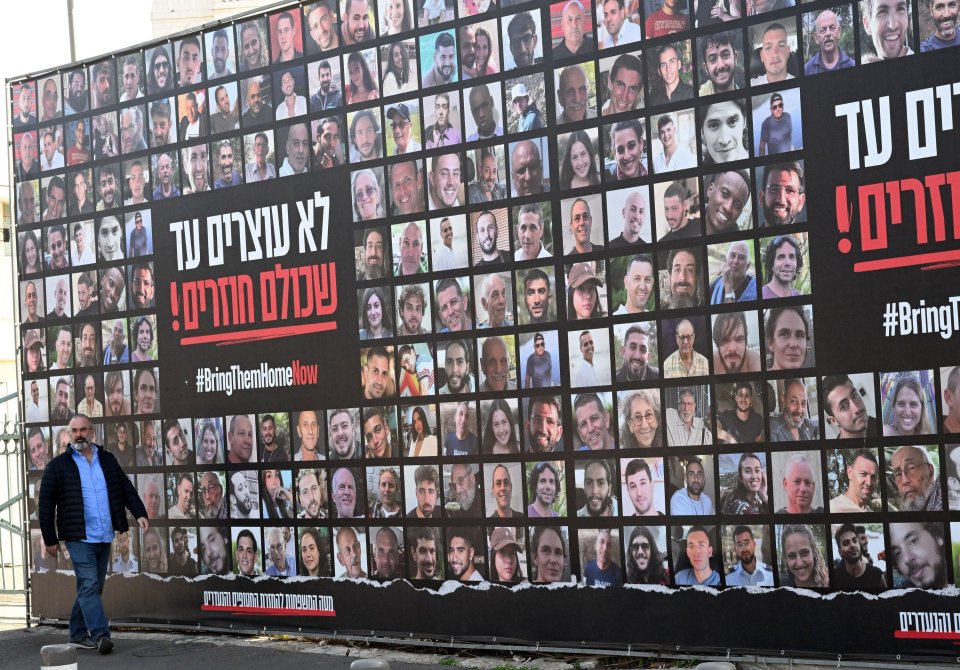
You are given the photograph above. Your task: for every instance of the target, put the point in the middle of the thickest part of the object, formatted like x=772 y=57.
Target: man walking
x=87 y=474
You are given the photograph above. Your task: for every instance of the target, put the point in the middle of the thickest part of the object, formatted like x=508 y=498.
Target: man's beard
x=683 y=301
x=772 y=218
x=917 y=503
x=792 y=421
x=375 y=271
x=466 y=500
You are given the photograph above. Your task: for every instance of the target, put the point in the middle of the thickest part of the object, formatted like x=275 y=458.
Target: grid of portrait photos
x=586 y=306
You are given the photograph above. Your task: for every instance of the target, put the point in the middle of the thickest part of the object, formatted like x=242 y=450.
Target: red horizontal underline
x=269 y=611
x=923 y=635
x=243 y=336
x=947 y=257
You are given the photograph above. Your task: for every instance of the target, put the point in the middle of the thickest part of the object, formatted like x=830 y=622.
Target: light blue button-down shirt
x=96 y=502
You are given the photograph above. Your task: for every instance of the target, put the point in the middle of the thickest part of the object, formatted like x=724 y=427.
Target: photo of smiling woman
x=579 y=166
x=908 y=403
x=802 y=562
x=315 y=552
x=640 y=412
x=748 y=493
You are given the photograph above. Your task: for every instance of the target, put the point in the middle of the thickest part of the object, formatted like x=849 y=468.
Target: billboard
x=626 y=297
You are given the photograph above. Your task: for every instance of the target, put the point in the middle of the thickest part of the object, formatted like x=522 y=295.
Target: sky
x=35 y=36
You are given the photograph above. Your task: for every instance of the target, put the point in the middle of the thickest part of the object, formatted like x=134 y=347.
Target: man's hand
x=143 y=523
x=52 y=549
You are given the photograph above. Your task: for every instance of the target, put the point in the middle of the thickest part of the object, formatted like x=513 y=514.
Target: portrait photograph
x=643 y=486
x=209 y=438
x=600 y=557
x=670 y=72
x=286 y=36
x=645 y=549
x=502 y=434
x=493 y=300
x=253 y=44
x=572 y=29
x=774 y=52
x=441 y=120
x=673 y=141
x=403 y=121
x=315 y=552
x=886 y=30
x=576 y=90
x=415 y=366
x=777 y=124
x=912 y=479
x=629 y=216
x=828 y=39
x=908 y=403
x=273 y=437
x=526 y=103
x=586 y=290
x=797 y=480
x=365 y=135
x=850 y=406
x=490 y=174
x=418 y=430
x=159 y=69
x=853 y=480
x=785 y=266
x=490 y=236
x=409 y=246
x=580 y=159
x=221 y=53
x=438 y=58
x=748 y=545
x=696 y=555
x=676 y=206
x=793 y=409
x=539 y=359
x=485 y=104
x=589 y=357
x=530 y=167
x=523 y=40
x=621 y=83
x=48 y=93
x=788 y=332
x=693 y=484
x=688 y=415
x=720 y=61
x=532 y=230
x=592 y=413
x=368 y=194
x=744 y=484
x=950 y=400
x=636 y=354
x=640 y=419
x=803 y=555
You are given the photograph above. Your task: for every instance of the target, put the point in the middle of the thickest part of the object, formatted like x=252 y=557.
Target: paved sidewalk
x=176 y=651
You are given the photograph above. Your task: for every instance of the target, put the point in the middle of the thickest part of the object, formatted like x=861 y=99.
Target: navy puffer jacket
x=61 y=498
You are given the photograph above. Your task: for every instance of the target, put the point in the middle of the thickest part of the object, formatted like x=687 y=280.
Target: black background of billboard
x=338 y=373
x=849 y=306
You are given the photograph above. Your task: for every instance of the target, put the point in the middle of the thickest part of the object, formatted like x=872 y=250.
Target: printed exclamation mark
x=844 y=212
x=175 y=306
